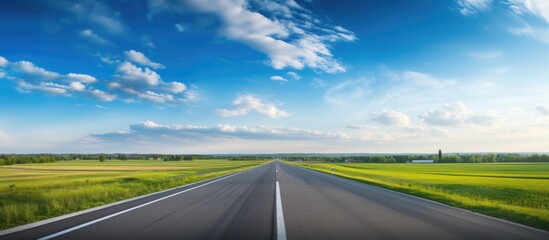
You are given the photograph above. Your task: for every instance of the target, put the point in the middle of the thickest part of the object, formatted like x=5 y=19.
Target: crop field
x=33 y=192
x=517 y=192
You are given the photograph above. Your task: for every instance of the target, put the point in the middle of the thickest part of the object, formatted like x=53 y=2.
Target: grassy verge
x=33 y=192
x=517 y=192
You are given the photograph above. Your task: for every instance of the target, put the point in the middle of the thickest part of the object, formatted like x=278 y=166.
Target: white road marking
x=280 y=227
x=130 y=209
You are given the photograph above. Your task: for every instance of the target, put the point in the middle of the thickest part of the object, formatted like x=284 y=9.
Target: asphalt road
x=314 y=206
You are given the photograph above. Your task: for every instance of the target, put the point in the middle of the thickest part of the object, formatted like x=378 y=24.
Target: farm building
x=422 y=161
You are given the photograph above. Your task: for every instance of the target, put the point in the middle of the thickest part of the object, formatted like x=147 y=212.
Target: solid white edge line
x=280 y=226
x=129 y=209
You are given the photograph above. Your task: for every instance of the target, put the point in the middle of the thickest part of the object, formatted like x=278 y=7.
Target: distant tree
x=102 y=158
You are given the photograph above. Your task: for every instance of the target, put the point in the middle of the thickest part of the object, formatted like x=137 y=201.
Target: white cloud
x=153 y=96
x=135 y=76
x=243 y=104
x=357 y=126
x=179 y=27
x=30 y=71
x=45 y=87
x=160 y=132
x=83 y=78
x=140 y=58
x=102 y=95
x=175 y=87
x=455 y=114
x=540 y=34
x=77 y=86
x=317 y=82
x=391 y=118
x=88 y=33
x=294 y=75
x=486 y=55
x=543 y=110
x=538 y=8
x=471 y=7
x=93 y=12
x=290 y=37
x=3 y=62
x=278 y=78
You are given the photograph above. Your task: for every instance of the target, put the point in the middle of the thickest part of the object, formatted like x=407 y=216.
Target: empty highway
x=303 y=205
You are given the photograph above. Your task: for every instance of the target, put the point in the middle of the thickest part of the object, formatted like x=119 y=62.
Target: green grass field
x=33 y=192
x=514 y=191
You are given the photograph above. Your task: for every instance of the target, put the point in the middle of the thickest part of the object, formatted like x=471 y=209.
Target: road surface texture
x=311 y=205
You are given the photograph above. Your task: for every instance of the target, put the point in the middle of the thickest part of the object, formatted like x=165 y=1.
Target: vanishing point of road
x=279 y=201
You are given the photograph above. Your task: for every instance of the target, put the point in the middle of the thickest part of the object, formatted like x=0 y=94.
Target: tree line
x=9 y=159
x=447 y=158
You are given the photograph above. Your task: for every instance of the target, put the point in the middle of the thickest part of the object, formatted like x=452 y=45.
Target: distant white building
x=422 y=161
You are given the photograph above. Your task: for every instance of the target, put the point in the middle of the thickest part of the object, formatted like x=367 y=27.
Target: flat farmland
x=517 y=192
x=33 y=192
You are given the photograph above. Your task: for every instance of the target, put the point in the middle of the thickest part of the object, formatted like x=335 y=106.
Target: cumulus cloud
x=45 y=87
x=288 y=34
x=471 y=7
x=89 y=34
x=278 y=78
x=32 y=72
x=141 y=59
x=83 y=78
x=244 y=104
x=135 y=76
x=455 y=114
x=543 y=110
x=175 y=87
x=3 y=62
x=146 y=84
x=391 y=118
x=77 y=86
x=158 y=132
x=102 y=95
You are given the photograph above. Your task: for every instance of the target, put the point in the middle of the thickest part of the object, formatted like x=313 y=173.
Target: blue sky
x=257 y=76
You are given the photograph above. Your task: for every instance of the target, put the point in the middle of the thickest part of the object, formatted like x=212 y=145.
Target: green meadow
x=517 y=192
x=32 y=192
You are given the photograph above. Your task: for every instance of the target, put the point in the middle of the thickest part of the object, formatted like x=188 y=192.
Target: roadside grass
x=33 y=192
x=518 y=192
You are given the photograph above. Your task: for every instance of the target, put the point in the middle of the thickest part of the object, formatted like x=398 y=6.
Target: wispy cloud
x=294 y=75
x=288 y=34
x=89 y=34
x=471 y=7
x=93 y=12
x=244 y=104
